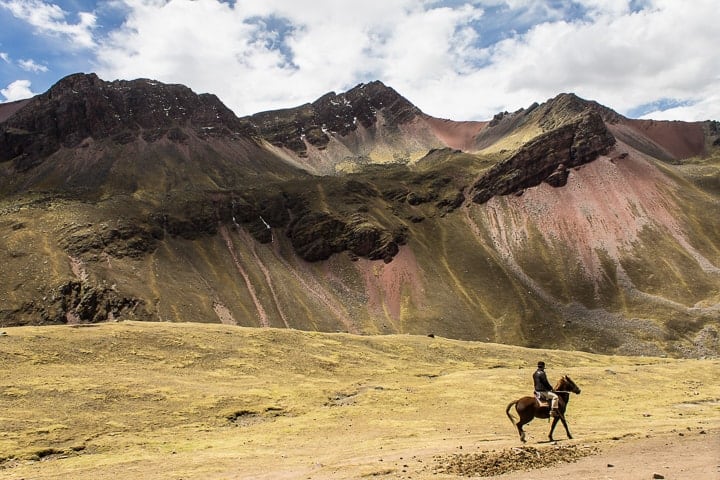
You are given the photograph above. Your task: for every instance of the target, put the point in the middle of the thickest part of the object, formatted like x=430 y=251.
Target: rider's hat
x=541 y=364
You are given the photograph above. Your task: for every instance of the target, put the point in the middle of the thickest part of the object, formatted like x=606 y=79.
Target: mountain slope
x=370 y=123
x=126 y=137
x=559 y=225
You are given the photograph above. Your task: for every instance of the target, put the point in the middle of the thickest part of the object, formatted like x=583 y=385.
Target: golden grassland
x=182 y=400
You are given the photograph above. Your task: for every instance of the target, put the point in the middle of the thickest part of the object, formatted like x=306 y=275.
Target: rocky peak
x=334 y=114
x=82 y=105
x=547 y=157
x=569 y=105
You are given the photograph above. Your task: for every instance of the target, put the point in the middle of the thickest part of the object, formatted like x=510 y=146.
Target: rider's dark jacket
x=541 y=381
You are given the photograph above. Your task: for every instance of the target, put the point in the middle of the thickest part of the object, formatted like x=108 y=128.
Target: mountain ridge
x=358 y=212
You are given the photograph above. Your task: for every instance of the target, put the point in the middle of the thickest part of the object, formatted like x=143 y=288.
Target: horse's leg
x=519 y=425
x=552 y=427
x=524 y=419
x=567 y=430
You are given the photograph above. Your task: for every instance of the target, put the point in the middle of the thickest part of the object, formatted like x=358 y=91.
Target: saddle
x=540 y=401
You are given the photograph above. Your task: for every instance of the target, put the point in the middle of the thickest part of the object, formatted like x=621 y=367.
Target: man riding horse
x=528 y=407
x=543 y=389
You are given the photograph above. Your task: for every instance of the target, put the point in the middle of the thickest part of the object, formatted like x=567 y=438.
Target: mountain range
x=561 y=225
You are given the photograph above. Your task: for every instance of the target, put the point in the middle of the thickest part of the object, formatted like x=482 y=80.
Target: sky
x=463 y=60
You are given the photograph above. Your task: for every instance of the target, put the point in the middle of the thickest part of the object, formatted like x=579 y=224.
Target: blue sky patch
x=659 y=105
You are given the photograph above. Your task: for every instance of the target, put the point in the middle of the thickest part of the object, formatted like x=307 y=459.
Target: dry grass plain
x=199 y=401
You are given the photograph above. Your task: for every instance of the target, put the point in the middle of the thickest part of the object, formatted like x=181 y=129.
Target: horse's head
x=566 y=384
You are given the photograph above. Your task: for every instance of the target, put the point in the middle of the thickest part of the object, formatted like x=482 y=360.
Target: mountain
x=562 y=225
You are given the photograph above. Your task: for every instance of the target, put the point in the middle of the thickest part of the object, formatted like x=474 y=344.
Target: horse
x=529 y=408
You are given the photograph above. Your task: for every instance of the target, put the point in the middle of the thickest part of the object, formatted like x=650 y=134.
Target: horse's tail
x=507 y=410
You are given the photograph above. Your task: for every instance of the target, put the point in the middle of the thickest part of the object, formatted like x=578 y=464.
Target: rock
x=658 y=476
x=547 y=157
x=317 y=235
x=559 y=177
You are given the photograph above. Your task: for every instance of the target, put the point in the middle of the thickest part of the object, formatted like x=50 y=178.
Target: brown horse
x=529 y=408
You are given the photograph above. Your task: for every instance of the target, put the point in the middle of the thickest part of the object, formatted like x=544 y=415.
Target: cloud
x=273 y=54
x=621 y=57
x=50 y=19
x=454 y=59
x=17 y=90
x=30 y=66
x=5 y=57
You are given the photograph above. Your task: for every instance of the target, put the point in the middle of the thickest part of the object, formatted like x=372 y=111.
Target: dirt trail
x=691 y=456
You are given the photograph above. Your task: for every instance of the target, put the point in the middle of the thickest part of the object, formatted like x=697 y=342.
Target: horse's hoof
x=570 y=437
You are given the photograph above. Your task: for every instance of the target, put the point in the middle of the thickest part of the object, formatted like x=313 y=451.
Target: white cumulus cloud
x=49 y=18
x=17 y=90
x=272 y=54
x=30 y=66
x=257 y=55
x=455 y=59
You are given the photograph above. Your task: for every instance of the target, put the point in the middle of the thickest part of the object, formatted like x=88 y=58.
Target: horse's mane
x=561 y=382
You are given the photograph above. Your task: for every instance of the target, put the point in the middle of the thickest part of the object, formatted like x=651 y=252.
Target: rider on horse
x=543 y=389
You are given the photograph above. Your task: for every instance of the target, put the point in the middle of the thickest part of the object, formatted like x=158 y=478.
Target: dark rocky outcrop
x=547 y=157
x=83 y=106
x=129 y=238
x=77 y=302
x=318 y=235
x=83 y=303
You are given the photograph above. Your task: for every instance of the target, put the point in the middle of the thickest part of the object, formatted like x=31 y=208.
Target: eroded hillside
x=556 y=226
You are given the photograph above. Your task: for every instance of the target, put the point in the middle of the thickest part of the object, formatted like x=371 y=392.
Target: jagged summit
x=570 y=104
x=83 y=106
x=540 y=118
x=87 y=134
x=333 y=113
x=139 y=104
